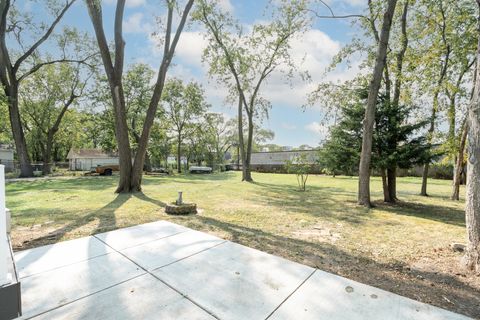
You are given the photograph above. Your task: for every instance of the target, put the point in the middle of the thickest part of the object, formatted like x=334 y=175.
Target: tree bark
x=131 y=174
x=400 y=56
x=366 y=154
x=248 y=172
x=431 y=130
x=433 y=118
x=457 y=177
x=179 y=153
x=241 y=143
x=26 y=169
x=392 y=184
x=47 y=156
x=423 y=191
x=10 y=81
x=114 y=75
x=386 y=193
x=472 y=206
x=169 y=50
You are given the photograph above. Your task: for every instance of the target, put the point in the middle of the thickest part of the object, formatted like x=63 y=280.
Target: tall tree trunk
x=169 y=50
x=423 y=191
x=366 y=154
x=386 y=194
x=240 y=137
x=400 y=56
x=131 y=174
x=179 y=153
x=457 y=176
x=123 y=140
x=392 y=172
x=26 y=169
x=47 y=156
x=433 y=118
x=10 y=79
x=472 y=206
x=238 y=156
x=148 y=163
x=248 y=172
x=392 y=184
x=431 y=131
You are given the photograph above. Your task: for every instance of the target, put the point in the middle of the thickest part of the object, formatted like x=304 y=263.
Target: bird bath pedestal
x=180 y=207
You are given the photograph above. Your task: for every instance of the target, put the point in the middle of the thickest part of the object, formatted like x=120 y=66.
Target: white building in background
x=86 y=159
x=275 y=161
x=172 y=160
x=6 y=157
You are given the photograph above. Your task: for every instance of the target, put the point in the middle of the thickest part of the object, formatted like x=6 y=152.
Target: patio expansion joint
x=143 y=243
x=102 y=254
x=162 y=281
x=65 y=265
x=288 y=297
x=85 y=296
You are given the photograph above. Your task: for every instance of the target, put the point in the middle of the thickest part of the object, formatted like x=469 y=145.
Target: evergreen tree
x=396 y=143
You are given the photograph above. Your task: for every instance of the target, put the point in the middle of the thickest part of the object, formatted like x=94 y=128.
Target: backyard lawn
x=403 y=248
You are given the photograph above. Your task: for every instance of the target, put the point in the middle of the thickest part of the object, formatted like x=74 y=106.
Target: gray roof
x=90 y=154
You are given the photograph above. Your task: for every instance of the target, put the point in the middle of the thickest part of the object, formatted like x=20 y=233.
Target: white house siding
x=280 y=158
x=275 y=161
x=85 y=164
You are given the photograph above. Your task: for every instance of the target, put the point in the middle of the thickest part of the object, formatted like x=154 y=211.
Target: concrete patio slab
x=235 y=282
x=51 y=289
x=325 y=296
x=57 y=255
x=159 y=253
x=141 y=298
x=136 y=235
x=164 y=271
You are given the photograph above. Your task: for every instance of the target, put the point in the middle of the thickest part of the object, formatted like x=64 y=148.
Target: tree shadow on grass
x=64 y=185
x=142 y=196
x=330 y=201
x=321 y=202
x=442 y=214
x=191 y=178
x=441 y=289
x=106 y=222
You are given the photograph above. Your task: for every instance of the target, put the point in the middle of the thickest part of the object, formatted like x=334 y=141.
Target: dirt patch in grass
x=403 y=248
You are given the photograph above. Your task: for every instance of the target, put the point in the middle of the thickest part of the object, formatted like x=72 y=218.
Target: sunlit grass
x=45 y=211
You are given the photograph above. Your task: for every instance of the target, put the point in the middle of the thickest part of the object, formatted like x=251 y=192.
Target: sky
x=293 y=124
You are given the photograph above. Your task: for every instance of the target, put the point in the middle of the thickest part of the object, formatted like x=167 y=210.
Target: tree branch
x=40 y=65
x=43 y=38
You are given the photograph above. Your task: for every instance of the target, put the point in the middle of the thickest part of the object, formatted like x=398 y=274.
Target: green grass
x=326 y=212
x=403 y=248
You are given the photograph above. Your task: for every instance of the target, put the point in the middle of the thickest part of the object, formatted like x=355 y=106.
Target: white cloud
x=190 y=48
x=356 y=3
x=134 y=24
x=129 y=3
x=312 y=51
x=226 y=5
x=317 y=128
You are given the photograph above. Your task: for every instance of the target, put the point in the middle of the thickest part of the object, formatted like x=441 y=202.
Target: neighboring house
x=275 y=161
x=86 y=159
x=172 y=160
x=6 y=158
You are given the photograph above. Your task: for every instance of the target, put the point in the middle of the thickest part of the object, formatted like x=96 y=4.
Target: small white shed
x=86 y=159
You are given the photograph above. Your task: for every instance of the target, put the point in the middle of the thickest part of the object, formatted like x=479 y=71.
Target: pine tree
x=396 y=142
